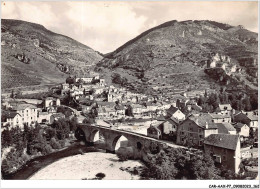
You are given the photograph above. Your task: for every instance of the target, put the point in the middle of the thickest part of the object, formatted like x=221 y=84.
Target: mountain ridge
x=180 y=47
x=40 y=56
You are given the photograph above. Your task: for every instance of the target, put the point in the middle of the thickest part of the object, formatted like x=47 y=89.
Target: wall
x=227 y=156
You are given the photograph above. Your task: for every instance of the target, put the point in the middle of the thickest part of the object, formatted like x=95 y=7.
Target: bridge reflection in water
x=136 y=145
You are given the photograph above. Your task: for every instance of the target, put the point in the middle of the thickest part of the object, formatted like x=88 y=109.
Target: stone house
x=44 y=117
x=56 y=117
x=155 y=130
x=120 y=111
x=226 y=128
x=175 y=113
x=13 y=119
x=225 y=150
x=221 y=118
x=193 y=130
x=242 y=130
x=51 y=102
x=151 y=106
x=28 y=112
x=225 y=109
x=247 y=118
x=138 y=109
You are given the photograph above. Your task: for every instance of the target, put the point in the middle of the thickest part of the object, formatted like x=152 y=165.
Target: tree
x=6 y=138
x=89 y=120
x=70 y=80
x=247 y=104
x=129 y=111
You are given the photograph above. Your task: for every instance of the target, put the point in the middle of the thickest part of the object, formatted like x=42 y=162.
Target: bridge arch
x=80 y=135
x=94 y=135
x=120 y=141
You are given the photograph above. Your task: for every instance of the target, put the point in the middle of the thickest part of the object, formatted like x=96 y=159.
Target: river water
x=34 y=165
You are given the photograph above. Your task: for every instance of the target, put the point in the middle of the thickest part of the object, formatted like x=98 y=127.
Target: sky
x=105 y=26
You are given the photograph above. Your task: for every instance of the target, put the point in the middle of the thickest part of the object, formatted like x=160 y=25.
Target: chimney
x=206 y=125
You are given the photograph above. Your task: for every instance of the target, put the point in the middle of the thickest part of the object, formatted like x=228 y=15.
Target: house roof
x=252 y=116
x=11 y=114
x=172 y=110
x=110 y=104
x=24 y=106
x=239 y=125
x=173 y=121
x=119 y=107
x=137 y=106
x=225 y=127
x=57 y=115
x=219 y=116
x=201 y=120
x=223 y=107
x=222 y=140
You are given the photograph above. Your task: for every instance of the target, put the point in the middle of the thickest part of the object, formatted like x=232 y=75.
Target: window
x=217 y=158
x=199 y=130
x=224 y=158
x=200 y=143
x=190 y=129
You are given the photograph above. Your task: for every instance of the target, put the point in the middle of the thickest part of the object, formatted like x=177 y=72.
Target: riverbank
x=38 y=163
x=87 y=165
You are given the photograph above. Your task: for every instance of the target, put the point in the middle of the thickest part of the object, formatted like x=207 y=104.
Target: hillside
x=33 y=55
x=174 y=56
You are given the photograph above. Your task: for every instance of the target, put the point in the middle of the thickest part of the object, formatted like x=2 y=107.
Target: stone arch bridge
x=139 y=144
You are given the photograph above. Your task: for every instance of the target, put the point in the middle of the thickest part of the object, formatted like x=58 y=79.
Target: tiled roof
x=239 y=125
x=252 y=117
x=222 y=140
x=203 y=118
x=219 y=116
x=58 y=115
x=225 y=127
x=24 y=106
x=225 y=107
x=172 y=110
x=11 y=114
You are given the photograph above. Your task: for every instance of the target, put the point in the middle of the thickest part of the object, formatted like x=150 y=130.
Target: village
x=228 y=135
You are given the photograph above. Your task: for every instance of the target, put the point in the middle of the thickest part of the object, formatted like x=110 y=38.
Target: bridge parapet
x=141 y=145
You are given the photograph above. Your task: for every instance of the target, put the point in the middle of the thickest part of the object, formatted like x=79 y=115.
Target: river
x=34 y=165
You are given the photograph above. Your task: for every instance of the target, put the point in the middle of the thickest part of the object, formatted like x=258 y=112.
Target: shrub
x=46 y=149
x=100 y=176
x=62 y=143
x=54 y=144
x=122 y=157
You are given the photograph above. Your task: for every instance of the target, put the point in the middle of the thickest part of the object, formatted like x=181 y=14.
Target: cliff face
x=175 y=54
x=39 y=56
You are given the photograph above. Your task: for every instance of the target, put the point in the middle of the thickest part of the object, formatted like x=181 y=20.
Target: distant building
x=242 y=130
x=28 y=112
x=13 y=119
x=221 y=118
x=226 y=128
x=51 y=102
x=56 y=117
x=193 y=130
x=155 y=130
x=175 y=113
x=44 y=117
x=225 y=109
x=225 y=150
x=247 y=118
